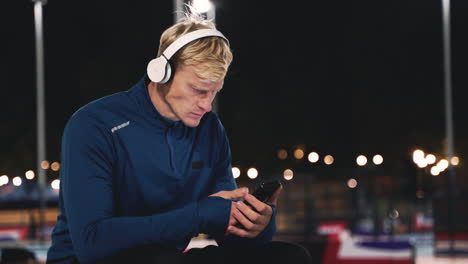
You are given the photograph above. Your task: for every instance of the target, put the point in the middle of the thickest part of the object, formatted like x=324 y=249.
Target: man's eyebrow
x=197 y=87
x=194 y=86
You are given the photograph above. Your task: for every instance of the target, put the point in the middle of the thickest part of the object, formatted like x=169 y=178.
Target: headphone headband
x=159 y=69
x=189 y=37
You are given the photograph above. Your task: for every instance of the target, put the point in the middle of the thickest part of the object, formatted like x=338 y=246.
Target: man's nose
x=205 y=103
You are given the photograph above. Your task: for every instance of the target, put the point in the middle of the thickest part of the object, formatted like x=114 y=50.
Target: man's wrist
x=214 y=213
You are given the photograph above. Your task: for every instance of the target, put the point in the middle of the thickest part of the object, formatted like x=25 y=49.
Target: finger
x=239 y=193
x=259 y=206
x=232 y=220
x=274 y=197
x=220 y=194
x=252 y=215
x=241 y=232
x=246 y=223
x=234 y=194
x=227 y=231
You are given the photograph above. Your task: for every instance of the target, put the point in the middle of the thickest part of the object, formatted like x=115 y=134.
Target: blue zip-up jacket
x=131 y=177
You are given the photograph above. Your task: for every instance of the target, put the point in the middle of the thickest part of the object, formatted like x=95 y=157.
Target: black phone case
x=265 y=190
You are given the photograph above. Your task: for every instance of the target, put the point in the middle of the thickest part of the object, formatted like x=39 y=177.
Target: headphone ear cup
x=157 y=69
x=168 y=74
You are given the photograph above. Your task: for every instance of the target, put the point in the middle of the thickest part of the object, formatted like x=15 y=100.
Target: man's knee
x=152 y=253
x=280 y=252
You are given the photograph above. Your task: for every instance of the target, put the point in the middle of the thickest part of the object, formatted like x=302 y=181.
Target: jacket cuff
x=213 y=213
x=241 y=242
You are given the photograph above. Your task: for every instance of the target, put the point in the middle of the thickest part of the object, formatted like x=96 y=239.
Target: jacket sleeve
x=86 y=180
x=225 y=182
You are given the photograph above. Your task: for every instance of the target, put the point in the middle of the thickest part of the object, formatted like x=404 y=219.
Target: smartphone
x=265 y=190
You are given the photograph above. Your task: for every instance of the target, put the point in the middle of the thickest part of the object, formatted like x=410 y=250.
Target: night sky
x=338 y=77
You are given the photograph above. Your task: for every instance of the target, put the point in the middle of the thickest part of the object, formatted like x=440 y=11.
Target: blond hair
x=211 y=56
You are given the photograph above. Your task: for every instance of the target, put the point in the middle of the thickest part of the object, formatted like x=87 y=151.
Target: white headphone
x=159 y=69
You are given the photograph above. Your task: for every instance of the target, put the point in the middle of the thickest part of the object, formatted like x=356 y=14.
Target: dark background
x=337 y=77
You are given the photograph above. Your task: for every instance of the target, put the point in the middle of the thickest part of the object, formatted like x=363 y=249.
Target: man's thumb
x=239 y=193
x=234 y=194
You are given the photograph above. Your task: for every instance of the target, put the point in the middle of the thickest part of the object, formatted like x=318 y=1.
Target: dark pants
x=271 y=253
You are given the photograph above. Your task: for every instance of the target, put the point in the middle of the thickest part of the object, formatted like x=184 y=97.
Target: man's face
x=189 y=96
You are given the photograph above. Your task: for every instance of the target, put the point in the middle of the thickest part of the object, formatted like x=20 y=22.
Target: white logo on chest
x=120 y=126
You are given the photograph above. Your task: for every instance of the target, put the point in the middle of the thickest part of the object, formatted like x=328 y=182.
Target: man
x=146 y=170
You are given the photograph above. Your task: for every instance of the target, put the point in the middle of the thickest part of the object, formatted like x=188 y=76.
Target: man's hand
x=239 y=193
x=234 y=194
x=253 y=219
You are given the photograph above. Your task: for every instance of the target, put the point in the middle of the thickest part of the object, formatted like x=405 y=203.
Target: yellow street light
x=328 y=159
x=45 y=164
x=282 y=154
x=299 y=153
x=55 y=166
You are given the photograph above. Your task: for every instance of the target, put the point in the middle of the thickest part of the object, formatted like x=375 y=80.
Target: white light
x=440 y=167
x=313 y=157
x=361 y=160
x=431 y=159
x=17 y=181
x=394 y=214
x=4 y=180
x=455 y=161
x=288 y=174
x=29 y=175
x=55 y=184
x=435 y=171
x=422 y=163
x=352 y=183
x=443 y=164
x=377 y=159
x=202 y=6
x=418 y=155
x=236 y=172
x=252 y=173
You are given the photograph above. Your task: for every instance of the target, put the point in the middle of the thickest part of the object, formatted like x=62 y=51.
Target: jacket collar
x=139 y=92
